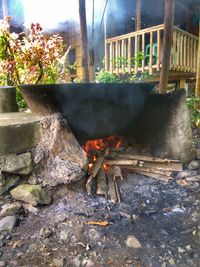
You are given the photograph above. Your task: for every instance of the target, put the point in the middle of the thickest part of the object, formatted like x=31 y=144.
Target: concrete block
x=18 y=132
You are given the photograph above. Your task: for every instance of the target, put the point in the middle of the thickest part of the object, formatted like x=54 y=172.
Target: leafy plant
x=124 y=75
x=195 y=114
x=32 y=59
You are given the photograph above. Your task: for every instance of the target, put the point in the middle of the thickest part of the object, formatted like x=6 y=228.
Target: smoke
x=15 y=10
x=49 y=13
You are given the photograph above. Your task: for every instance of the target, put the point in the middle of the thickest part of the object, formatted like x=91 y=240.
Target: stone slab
x=18 y=132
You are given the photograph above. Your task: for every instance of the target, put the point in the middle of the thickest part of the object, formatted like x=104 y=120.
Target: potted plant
x=8 y=72
x=32 y=59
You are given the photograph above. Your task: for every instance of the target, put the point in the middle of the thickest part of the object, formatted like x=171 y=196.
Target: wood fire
x=108 y=157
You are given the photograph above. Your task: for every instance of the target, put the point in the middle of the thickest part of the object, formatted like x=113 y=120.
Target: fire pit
x=92 y=110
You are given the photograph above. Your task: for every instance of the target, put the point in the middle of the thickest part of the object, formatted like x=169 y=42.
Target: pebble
x=181 y=250
x=59 y=262
x=132 y=242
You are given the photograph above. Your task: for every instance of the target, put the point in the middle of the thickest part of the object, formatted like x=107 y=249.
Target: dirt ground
x=164 y=218
x=156 y=225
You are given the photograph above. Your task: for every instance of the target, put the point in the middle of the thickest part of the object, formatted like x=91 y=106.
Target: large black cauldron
x=93 y=111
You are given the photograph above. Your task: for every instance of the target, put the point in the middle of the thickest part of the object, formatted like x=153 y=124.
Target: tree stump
x=58 y=157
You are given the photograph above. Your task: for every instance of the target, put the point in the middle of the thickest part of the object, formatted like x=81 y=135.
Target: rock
x=2 y=178
x=30 y=208
x=132 y=242
x=10 y=209
x=186 y=173
x=2 y=263
x=8 y=223
x=32 y=194
x=193 y=165
x=18 y=164
x=10 y=183
x=197 y=153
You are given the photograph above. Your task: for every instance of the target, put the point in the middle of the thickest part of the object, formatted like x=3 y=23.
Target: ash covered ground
x=157 y=224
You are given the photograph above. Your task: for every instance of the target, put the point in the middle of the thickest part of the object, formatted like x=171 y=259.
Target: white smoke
x=51 y=13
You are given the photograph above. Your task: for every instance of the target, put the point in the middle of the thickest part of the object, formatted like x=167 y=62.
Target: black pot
x=92 y=110
x=8 y=99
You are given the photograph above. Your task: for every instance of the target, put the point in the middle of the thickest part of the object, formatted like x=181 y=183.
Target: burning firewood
x=95 y=169
x=101 y=183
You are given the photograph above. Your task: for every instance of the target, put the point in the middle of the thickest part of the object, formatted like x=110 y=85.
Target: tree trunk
x=91 y=56
x=167 y=42
x=83 y=27
x=197 y=89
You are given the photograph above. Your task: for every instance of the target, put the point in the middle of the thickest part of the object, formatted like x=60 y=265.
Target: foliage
x=195 y=114
x=20 y=100
x=124 y=75
x=32 y=59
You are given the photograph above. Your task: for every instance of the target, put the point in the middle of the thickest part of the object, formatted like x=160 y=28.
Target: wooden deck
x=121 y=50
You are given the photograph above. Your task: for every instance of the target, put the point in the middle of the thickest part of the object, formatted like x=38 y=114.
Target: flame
x=92 y=146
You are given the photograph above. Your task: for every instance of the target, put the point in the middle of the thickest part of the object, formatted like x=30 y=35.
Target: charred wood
x=95 y=169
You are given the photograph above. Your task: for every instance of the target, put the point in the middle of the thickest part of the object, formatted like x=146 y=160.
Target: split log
x=101 y=183
x=155 y=175
x=117 y=191
x=150 y=170
x=112 y=188
x=141 y=158
x=121 y=162
x=95 y=169
x=117 y=173
x=167 y=166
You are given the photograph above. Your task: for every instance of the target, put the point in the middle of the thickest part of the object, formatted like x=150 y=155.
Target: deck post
x=83 y=28
x=197 y=87
x=138 y=15
x=167 y=42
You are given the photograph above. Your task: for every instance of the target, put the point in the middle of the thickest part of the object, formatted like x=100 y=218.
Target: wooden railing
x=121 y=51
